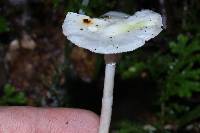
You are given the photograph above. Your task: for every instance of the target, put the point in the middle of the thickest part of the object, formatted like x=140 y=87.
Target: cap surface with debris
x=115 y=32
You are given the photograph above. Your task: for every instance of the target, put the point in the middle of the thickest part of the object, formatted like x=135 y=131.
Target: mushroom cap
x=116 y=15
x=115 y=33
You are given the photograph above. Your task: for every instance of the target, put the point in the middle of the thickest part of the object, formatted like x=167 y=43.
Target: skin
x=47 y=120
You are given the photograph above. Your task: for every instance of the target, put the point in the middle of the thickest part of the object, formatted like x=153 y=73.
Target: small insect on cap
x=116 y=32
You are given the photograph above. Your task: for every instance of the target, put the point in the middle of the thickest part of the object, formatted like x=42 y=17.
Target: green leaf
x=12 y=97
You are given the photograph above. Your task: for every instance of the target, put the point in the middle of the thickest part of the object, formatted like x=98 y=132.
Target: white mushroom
x=116 y=32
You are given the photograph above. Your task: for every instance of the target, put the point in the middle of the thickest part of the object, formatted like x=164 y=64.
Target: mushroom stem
x=107 y=100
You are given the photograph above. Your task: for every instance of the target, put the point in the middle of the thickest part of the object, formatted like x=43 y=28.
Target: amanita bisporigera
x=110 y=35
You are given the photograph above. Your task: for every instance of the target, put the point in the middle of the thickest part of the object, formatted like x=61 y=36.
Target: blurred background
x=157 y=87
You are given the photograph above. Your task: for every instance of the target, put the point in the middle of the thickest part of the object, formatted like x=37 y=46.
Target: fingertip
x=83 y=121
x=41 y=120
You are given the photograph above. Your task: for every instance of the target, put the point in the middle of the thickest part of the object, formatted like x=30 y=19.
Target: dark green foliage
x=56 y=3
x=99 y=7
x=190 y=17
x=183 y=76
x=189 y=116
x=3 y=25
x=175 y=72
x=12 y=97
x=129 y=127
x=178 y=70
x=73 y=5
x=94 y=8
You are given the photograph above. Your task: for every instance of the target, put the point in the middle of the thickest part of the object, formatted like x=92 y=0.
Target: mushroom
x=114 y=33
